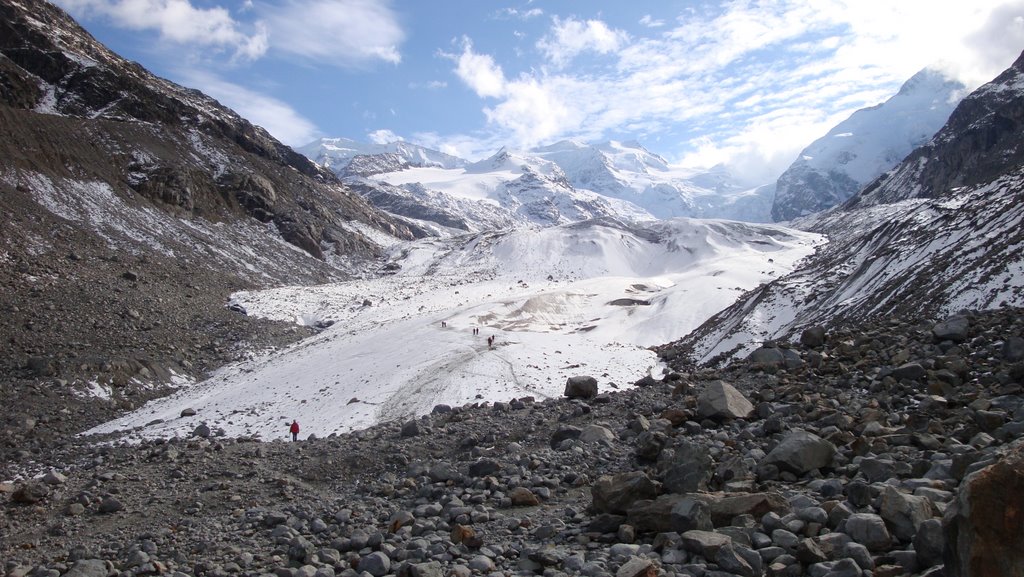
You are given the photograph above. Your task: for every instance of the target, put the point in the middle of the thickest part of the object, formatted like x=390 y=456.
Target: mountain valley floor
x=864 y=450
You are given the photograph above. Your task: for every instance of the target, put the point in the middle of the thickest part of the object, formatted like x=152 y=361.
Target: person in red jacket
x=294 y=430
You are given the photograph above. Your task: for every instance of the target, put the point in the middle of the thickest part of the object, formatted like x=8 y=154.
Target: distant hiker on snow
x=294 y=429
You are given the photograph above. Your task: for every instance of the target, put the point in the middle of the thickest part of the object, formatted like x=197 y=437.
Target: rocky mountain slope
x=856 y=151
x=886 y=449
x=132 y=208
x=939 y=233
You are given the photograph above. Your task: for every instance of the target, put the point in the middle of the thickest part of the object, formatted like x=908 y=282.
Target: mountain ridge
x=919 y=241
x=617 y=178
x=871 y=141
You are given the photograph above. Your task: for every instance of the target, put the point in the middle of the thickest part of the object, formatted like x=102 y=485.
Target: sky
x=746 y=83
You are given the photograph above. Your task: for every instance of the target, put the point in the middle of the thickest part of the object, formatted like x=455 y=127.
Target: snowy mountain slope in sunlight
x=578 y=299
x=927 y=257
x=869 y=142
x=629 y=172
x=506 y=189
x=565 y=182
x=337 y=153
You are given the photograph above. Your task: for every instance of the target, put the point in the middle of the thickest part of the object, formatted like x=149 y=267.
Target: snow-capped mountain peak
x=337 y=153
x=871 y=141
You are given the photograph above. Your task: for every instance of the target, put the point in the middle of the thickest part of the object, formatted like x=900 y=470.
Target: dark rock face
x=984 y=528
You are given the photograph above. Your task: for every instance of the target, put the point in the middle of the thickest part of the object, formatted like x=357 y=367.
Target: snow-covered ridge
x=585 y=298
x=872 y=140
x=568 y=181
x=921 y=257
x=337 y=153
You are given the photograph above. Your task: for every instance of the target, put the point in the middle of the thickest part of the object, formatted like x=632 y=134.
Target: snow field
x=564 y=301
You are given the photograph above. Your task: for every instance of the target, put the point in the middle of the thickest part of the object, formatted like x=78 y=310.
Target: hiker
x=294 y=429
x=490 y=342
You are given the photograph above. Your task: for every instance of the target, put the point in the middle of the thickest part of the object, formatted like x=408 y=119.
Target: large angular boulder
x=688 y=470
x=581 y=387
x=954 y=329
x=616 y=493
x=984 y=526
x=869 y=530
x=724 y=509
x=654 y=516
x=813 y=337
x=720 y=400
x=904 y=513
x=801 y=452
x=773 y=358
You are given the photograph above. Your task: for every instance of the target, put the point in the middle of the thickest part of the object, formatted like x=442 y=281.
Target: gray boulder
x=1013 y=349
x=954 y=329
x=775 y=358
x=689 y=469
x=736 y=560
x=903 y=513
x=801 y=452
x=720 y=400
x=705 y=543
x=89 y=568
x=411 y=429
x=813 y=337
x=615 y=494
x=637 y=567
x=689 y=514
x=377 y=564
x=581 y=387
x=929 y=542
x=596 y=434
x=909 y=371
x=869 y=530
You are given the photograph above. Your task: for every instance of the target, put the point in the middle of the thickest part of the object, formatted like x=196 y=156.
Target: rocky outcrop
x=984 y=527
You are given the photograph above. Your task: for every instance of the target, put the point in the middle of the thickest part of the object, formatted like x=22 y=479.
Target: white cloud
x=480 y=72
x=533 y=111
x=278 y=118
x=178 y=21
x=522 y=14
x=651 y=22
x=570 y=37
x=342 y=33
x=383 y=136
x=465 y=146
x=749 y=85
